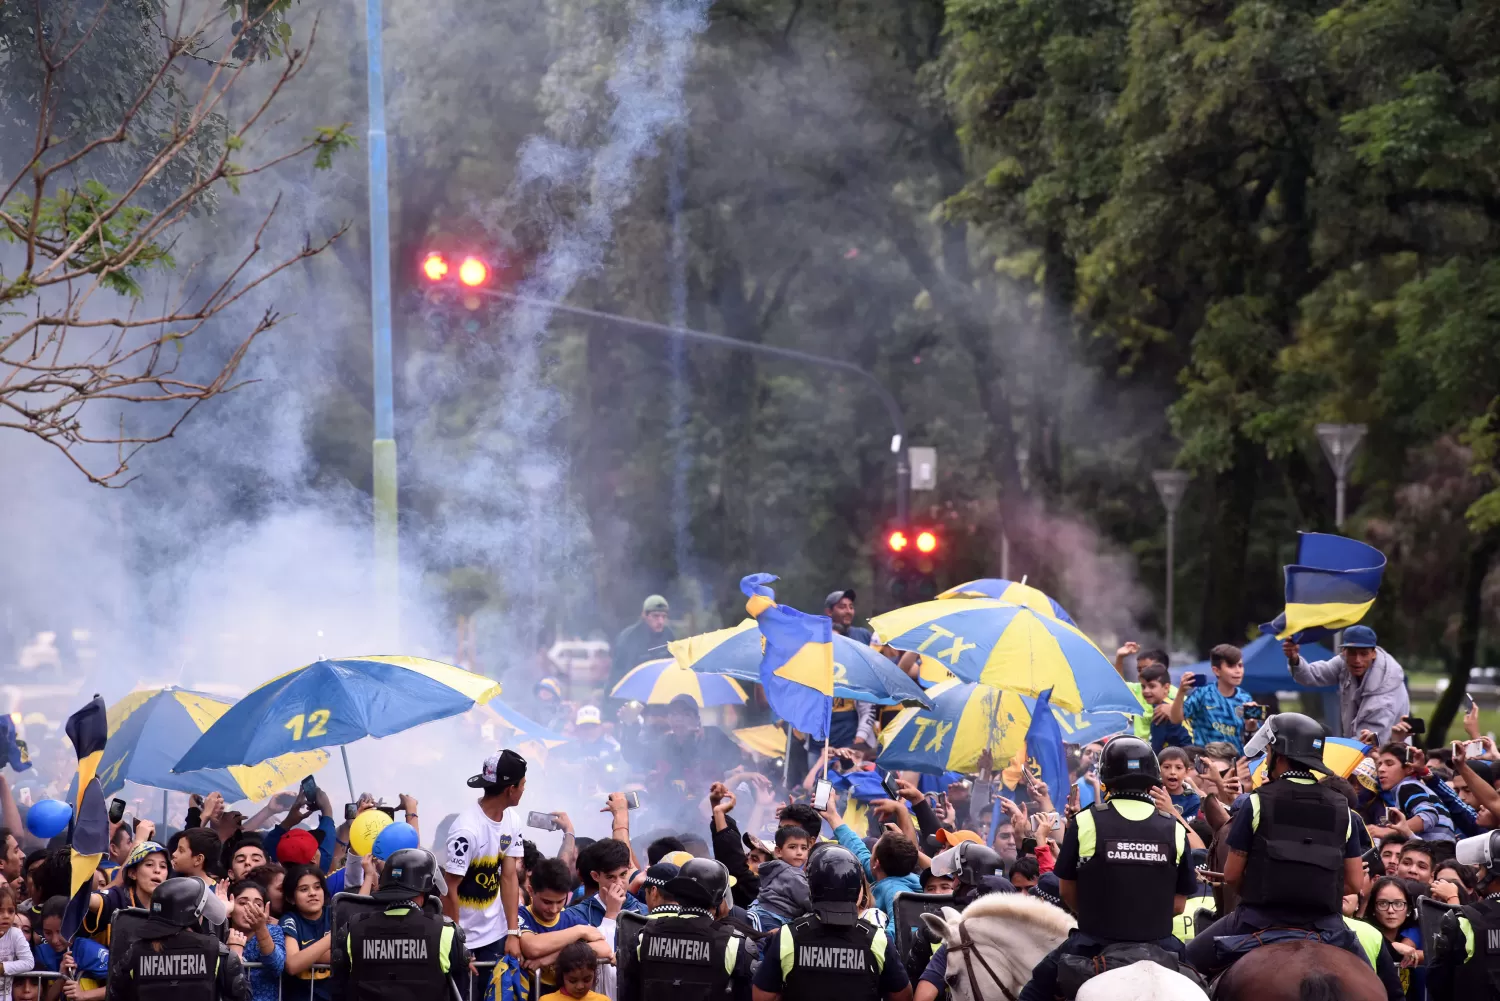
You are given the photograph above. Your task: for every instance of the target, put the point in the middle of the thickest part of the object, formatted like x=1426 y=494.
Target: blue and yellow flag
x=88 y=729
x=1332 y=584
x=797 y=666
x=1044 y=746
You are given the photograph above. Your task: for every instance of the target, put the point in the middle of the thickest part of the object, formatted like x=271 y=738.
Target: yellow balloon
x=364 y=829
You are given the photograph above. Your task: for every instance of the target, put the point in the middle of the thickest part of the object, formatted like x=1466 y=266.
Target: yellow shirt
x=590 y=996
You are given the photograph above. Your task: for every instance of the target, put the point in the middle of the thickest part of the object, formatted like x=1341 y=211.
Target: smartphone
x=1251 y=711
x=389 y=811
x=351 y=810
x=1028 y=846
x=1201 y=680
x=1469 y=699
x=1408 y=754
x=309 y=792
x=1417 y=724
x=822 y=792
x=1200 y=765
x=1474 y=748
x=116 y=810
x=633 y=799
x=543 y=821
x=889 y=782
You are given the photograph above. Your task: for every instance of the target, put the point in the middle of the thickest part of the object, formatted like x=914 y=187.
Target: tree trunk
x=1480 y=558
x=1234 y=493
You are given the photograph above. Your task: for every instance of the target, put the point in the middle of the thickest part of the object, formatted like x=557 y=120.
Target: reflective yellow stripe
x=786 y=952
x=1087 y=834
x=1255 y=811
x=1468 y=928
x=731 y=953
x=878 y=944
x=1181 y=841
x=1370 y=939
x=445 y=945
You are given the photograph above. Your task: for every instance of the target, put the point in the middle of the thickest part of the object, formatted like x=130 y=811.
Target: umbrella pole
x=164 y=821
x=348 y=775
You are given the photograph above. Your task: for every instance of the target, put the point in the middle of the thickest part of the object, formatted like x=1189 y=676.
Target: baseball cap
x=1359 y=636
x=549 y=684
x=655 y=603
x=677 y=858
x=505 y=768
x=683 y=701
x=297 y=847
x=951 y=838
x=139 y=852
x=588 y=714
x=756 y=844
x=834 y=597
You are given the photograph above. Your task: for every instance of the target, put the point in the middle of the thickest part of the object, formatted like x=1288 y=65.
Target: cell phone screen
x=821 y=793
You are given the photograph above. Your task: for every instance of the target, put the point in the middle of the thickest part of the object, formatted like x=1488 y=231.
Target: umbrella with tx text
x=1015 y=592
x=967 y=719
x=1010 y=647
x=330 y=703
x=859 y=671
x=658 y=682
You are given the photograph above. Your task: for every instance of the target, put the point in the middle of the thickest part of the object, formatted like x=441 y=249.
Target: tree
x=94 y=213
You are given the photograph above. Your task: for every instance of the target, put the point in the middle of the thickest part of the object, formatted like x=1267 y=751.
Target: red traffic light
x=435 y=267
x=473 y=272
x=897 y=541
x=926 y=542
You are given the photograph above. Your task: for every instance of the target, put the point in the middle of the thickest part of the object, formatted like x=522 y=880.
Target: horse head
x=996 y=942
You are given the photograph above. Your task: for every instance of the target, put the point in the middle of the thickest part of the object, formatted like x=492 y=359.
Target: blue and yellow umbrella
x=330 y=703
x=859 y=671
x=658 y=682
x=1015 y=592
x=521 y=730
x=1341 y=755
x=1012 y=648
x=150 y=730
x=966 y=719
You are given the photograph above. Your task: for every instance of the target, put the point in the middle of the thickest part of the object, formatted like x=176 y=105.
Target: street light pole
x=1171 y=484
x=1340 y=442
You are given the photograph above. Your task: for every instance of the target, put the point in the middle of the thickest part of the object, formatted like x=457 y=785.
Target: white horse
x=997 y=941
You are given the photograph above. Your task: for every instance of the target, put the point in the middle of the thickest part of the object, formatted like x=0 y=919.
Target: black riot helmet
x=179 y=901
x=835 y=880
x=1129 y=765
x=701 y=882
x=408 y=872
x=976 y=861
x=1297 y=738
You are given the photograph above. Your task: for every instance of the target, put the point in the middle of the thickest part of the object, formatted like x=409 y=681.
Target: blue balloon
x=48 y=818
x=394 y=838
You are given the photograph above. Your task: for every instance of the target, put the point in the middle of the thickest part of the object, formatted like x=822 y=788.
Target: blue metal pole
x=387 y=582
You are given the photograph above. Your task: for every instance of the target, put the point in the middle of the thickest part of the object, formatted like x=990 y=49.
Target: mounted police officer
x=172 y=960
x=830 y=954
x=403 y=952
x=1464 y=958
x=1293 y=853
x=1125 y=870
x=685 y=952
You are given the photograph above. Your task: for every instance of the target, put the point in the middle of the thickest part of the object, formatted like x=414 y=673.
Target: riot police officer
x=830 y=953
x=403 y=952
x=172 y=960
x=1293 y=853
x=975 y=869
x=1464 y=958
x=686 y=952
x=1125 y=870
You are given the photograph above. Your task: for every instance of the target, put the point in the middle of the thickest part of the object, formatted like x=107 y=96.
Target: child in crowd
x=1216 y=712
x=15 y=951
x=783 y=885
x=1156 y=692
x=307 y=933
x=577 y=966
x=84 y=958
x=1174 y=770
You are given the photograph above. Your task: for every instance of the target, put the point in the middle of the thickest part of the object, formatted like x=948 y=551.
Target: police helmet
x=411 y=871
x=180 y=901
x=1297 y=738
x=701 y=882
x=1129 y=765
x=976 y=861
x=835 y=880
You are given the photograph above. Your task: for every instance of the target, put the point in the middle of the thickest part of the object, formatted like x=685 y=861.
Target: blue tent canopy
x=1265 y=667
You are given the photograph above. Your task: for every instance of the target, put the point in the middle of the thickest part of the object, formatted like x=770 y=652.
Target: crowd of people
x=1206 y=829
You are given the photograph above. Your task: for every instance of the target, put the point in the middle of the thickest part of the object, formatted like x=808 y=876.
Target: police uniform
x=811 y=960
x=1129 y=863
x=170 y=960
x=1465 y=962
x=401 y=954
x=683 y=953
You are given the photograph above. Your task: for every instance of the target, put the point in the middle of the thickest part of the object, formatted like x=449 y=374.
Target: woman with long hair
x=1392 y=909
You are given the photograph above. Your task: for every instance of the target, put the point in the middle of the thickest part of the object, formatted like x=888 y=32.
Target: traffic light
x=913 y=559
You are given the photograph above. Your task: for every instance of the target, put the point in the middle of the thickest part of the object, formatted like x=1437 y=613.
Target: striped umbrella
x=1341 y=755
x=1015 y=592
x=657 y=682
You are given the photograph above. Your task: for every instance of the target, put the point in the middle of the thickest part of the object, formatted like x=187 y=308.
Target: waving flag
x=1332 y=584
x=87 y=729
x=1044 y=744
x=797 y=667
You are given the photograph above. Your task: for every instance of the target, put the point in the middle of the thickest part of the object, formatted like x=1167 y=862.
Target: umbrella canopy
x=658 y=682
x=522 y=729
x=1012 y=648
x=150 y=730
x=859 y=671
x=1341 y=754
x=767 y=740
x=333 y=702
x=1015 y=592
x=966 y=719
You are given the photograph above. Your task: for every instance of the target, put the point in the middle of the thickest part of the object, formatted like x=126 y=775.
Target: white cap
x=588 y=714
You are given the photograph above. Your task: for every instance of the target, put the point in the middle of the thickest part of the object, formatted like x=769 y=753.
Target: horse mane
x=1020 y=907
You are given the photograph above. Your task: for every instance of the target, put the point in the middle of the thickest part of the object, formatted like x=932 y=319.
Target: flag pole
x=827 y=737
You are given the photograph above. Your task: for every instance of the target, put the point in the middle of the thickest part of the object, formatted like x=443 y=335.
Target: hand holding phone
x=310 y=793
x=116 y=810
x=822 y=792
x=543 y=821
x=1415 y=724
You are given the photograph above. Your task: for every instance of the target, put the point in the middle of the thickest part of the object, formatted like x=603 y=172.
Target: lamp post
x=1171 y=484
x=1340 y=442
x=387 y=562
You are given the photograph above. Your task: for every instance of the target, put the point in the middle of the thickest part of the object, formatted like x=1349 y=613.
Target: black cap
x=834 y=597
x=1298 y=738
x=1129 y=764
x=179 y=901
x=410 y=871
x=701 y=882
x=834 y=881
x=504 y=769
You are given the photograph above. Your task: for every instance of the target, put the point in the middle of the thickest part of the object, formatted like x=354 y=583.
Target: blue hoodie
x=884 y=890
x=591 y=909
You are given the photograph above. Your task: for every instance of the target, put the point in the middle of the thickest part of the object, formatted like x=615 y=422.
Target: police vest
x=821 y=962
x=1479 y=976
x=1369 y=937
x=181 y=967
x=398 y=954
x=1127 y=871
x=1296 y=857
x=1184 y=924
x=684 y=956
